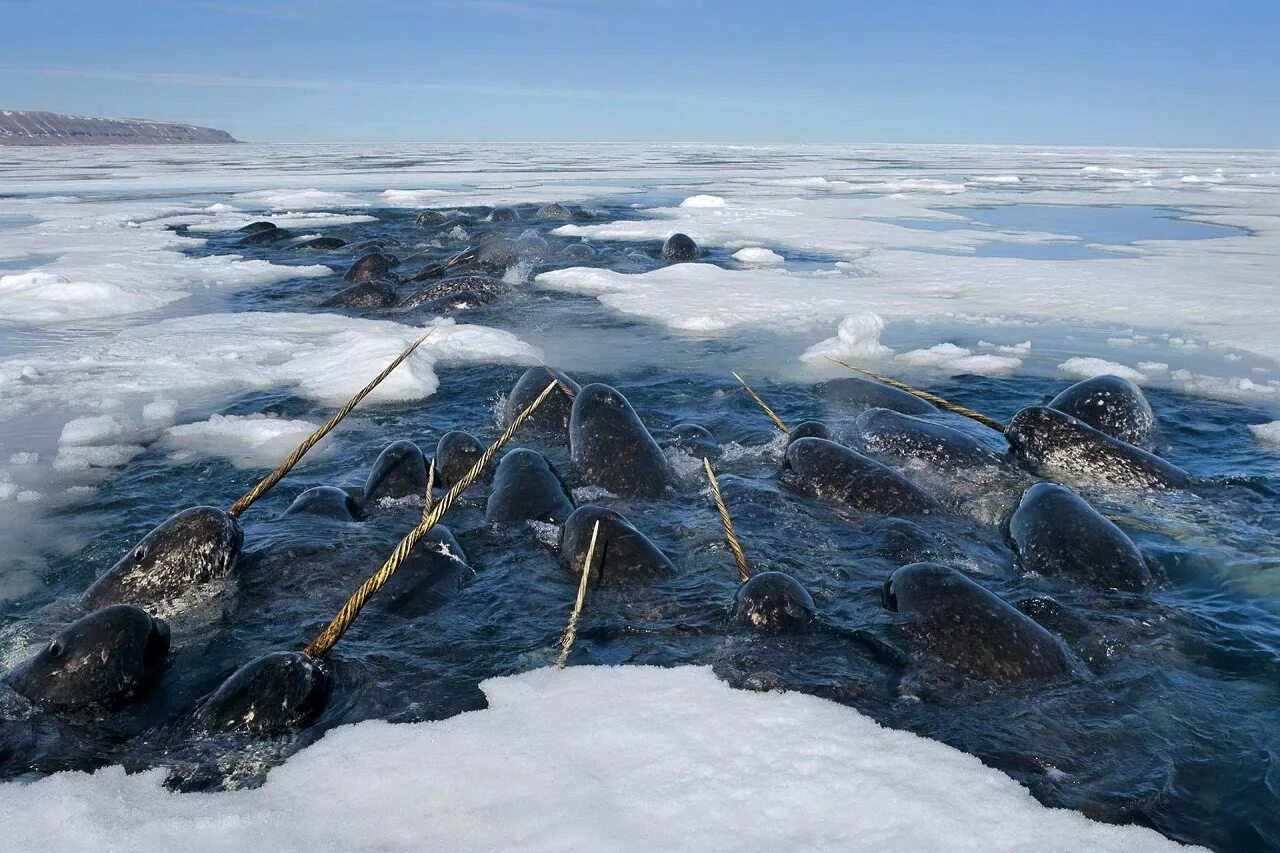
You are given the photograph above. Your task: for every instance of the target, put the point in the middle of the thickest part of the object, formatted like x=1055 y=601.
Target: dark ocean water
x=1174 y=722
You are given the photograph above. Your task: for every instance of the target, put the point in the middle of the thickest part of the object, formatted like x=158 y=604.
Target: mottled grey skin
x=103 y=659
x=366 y=294
x=1054 y=444
x=909 y=439
x=904 y=541
x=832 y=472
x=527 y=488
x=578 y=251
x=371 y=266
x=277 y=693
x=456 y=452
x=552 y=417
x=400 y=470
x=773 y=603
x=1112 y=405
x=319 y=244
x=432 y=574
x=810 y=429
x=196 y=546
x=611 y=447
x=972 y=629
x=866 y=394
x=255 y=227
x=504 y=214
x=430 y=217
x=532 y=246
x=623 y=554
x=679 y=248
x=327 y=502
x=262 y=236
x=459 y=291
x=496 y=254
x=555 y=210
x=1058 y=535
x=694 y=439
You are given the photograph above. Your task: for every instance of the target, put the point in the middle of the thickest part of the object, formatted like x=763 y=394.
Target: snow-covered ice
x=591 y=758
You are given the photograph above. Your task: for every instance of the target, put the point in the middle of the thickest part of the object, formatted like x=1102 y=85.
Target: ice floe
x=591 y=758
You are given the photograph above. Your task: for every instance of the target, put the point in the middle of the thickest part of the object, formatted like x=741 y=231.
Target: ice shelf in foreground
x=592 y=758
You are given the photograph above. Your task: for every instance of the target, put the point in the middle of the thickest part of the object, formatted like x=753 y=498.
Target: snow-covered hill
x=41 y=128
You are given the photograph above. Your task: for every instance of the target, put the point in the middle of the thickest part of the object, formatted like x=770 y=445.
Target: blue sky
x=1172 y=72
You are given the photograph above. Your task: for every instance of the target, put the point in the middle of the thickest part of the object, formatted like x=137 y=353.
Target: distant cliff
x=38 y=128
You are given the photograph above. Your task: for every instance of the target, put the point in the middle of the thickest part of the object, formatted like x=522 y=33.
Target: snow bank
x=758 y=257
x=248 y=441
x=592 y=758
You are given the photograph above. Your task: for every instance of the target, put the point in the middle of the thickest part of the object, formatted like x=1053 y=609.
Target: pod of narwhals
x=380 y=281
x=1090 y=433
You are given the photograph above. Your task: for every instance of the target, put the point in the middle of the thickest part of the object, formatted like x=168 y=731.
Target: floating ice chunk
x=160 y=412
x=707 y=298
x=857 y=336
x=1267 y=433
x=1023 y=348
x=758 y=257
x=1151 y=367
x=677 y=761
x=78 y=458
x=96 y=430
x=248 y=441
x=953 y=358
x=298 y=199
x=293 y=219
x=1087 y=368
x=1224 y=388
x=703 y=201
x=324 y=357
x=219 y=207
x=415 y=198
x=997 y=179
x=24 y=458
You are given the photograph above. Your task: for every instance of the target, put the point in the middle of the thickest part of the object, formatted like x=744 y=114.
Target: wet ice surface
x=171 y=403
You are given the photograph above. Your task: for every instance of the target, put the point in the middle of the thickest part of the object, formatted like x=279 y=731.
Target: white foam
x=591 y=758
x=248 y=441
x=756 y=256
x=1087 y=368
x=703 y=201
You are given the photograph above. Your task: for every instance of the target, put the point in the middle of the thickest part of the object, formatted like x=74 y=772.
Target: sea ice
x=591 y=758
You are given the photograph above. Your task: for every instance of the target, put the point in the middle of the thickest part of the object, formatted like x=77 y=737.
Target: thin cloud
x=227 y=81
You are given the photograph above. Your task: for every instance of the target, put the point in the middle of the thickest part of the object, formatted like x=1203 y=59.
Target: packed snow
x=589 y=758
